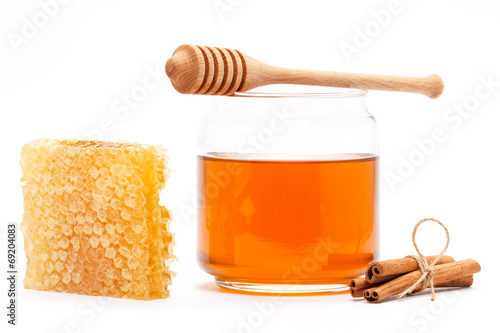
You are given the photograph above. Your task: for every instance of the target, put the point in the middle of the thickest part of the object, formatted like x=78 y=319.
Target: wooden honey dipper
x=205 y=70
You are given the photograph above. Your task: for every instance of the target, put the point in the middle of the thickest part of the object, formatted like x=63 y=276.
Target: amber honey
x=289 y=219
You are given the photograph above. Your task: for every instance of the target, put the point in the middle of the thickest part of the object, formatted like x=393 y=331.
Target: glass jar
x=288 y=186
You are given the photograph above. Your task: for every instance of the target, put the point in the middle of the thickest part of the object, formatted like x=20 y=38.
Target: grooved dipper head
x=206 y=70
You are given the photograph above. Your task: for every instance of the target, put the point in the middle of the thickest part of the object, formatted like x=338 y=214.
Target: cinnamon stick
x=462 y=282
x=361 y=291
x=442 y=274
x=359 y=283
x=362 y=282
x=390 y=269
x=358 y=290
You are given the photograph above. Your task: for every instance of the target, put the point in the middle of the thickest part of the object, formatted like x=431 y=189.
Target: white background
x=64 y=79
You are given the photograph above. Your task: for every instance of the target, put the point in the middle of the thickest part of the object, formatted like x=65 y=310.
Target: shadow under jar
x=288 y=186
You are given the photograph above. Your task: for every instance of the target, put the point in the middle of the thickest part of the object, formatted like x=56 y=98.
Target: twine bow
x=427 y=270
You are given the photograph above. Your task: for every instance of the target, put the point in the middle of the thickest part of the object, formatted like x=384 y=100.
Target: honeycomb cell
x=92 y=221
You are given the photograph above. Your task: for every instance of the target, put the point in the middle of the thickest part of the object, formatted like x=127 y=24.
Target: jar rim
x=329 y=92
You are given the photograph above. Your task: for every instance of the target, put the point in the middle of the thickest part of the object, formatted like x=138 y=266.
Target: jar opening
x=301 y=91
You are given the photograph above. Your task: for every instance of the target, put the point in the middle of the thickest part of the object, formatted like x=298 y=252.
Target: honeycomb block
x=92 y=223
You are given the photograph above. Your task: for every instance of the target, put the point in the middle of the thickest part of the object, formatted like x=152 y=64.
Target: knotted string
x=427 y=270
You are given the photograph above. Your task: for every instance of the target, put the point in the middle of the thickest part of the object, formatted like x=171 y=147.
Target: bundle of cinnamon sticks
x=388 y=278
